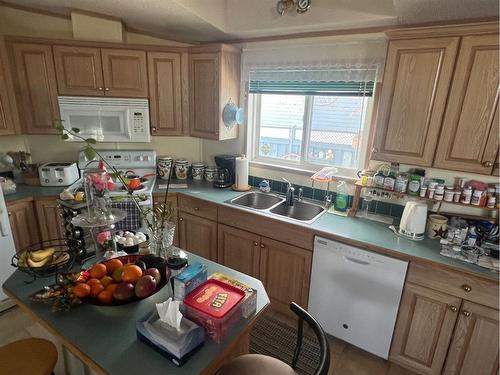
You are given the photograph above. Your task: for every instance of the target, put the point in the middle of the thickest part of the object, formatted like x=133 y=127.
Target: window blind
x=327 y=88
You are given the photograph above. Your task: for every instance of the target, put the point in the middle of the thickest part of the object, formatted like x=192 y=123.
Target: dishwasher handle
x=358 y=261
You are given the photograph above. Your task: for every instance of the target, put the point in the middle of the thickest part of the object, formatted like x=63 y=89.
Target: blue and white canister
x=210 y=173
x=197 y=170
x=164 y=166
x=181 y=169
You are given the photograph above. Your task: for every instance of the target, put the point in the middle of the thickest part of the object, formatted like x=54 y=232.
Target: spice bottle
x=457 y=195
x=439 y=193
x=476 y=197
x=449 y=193
x=414 y=184
x=466 y=195
x=401 y=182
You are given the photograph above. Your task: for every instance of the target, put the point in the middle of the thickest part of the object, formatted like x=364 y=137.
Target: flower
x=103 y=237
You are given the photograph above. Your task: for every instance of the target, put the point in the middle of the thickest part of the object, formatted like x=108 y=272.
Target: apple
x=145 y=286
x=124 y=292
x=155 y=273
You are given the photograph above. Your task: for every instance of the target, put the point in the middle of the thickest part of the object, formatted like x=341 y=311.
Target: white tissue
x=169 y=313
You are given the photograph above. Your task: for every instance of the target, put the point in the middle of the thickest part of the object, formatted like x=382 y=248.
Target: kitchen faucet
x=290 y=193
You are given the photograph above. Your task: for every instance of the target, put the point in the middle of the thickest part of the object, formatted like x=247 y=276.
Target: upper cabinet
x=33 y=68
x=125 y=73
x=214 y=79
x=7 y=116
x=469 y=138
x=412 y=102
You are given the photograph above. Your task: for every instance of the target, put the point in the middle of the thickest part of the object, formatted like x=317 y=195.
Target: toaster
x=58 y=174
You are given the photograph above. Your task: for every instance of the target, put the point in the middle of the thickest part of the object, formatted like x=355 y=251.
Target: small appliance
x=106 y=119
x=226 y=165
x=413 y=221
x=58 y=174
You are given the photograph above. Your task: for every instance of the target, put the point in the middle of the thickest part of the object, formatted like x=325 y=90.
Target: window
x=308 y=125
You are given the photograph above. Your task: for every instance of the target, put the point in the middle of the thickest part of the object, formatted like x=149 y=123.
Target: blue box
x=185 y=282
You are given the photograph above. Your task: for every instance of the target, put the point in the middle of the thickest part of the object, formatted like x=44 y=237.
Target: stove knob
x=47 y=181
x=60 y=180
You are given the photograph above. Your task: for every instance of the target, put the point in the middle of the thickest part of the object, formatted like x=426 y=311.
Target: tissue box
x=185 y=282
x=177 y=346
x=249 y=303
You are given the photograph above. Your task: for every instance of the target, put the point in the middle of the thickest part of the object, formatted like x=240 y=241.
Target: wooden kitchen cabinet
x=8 y=122
x=79 y=70
x=424 y=329
x=474 y=347
x=239 y=249
x=214 y=80
x=49 y=217
x=23 y=223
x=165 y=93
x=469 y=137
x=417 y=78
x=198 y=235
x=125 y=72
x=36 y=88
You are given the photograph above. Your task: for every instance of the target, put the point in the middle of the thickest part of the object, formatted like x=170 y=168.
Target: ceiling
x=209 y=20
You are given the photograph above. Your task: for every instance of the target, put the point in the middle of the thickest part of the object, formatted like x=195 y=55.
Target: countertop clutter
x=355 y=231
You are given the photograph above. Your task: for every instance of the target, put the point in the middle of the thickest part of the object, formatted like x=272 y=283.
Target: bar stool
x=31 y=356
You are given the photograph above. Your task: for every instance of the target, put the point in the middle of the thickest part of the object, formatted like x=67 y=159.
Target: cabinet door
x=469 y=139
x=165 y=93
x=285 y=271
x=474 y=348
x=23 y=221
x=79 y=70
x=37 y=87
x=204 y=70
x=239 y=250
x=7 y=126
x=423 y=330
x=125 y=73
x=198 y=235
x=50 y=219
x=412 y=102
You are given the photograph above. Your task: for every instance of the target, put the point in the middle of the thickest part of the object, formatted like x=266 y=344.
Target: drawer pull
x=181 y=219
x=256 y=244
x=262 y=245
x=453 y=308
x=466 y=287
x=466 y=313
x=9 y=213
x=488 y=164
x=196 y=209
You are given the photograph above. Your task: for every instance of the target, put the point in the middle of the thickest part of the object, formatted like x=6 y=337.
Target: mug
x=436 y=226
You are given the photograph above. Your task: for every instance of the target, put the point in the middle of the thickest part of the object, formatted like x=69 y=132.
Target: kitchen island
x=104 y=337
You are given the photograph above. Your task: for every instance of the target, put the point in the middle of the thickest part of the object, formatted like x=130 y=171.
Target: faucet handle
x=328 y=199
x=300 y=194
x=288 y=182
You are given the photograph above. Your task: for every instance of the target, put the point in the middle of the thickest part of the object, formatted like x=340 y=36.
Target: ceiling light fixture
x=301 y=6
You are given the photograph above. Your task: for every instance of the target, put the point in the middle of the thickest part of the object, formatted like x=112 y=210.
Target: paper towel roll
x=241 y=172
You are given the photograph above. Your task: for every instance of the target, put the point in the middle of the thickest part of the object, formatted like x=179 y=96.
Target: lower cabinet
x=23 y=223
x=198 y=235
x=50 y=220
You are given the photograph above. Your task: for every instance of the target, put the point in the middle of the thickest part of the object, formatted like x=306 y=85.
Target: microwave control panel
x=139 y=121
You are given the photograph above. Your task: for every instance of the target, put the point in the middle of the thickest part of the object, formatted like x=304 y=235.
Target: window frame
x=302 y=166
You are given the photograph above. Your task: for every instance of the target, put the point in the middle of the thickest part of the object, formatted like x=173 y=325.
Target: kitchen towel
x=241 y=172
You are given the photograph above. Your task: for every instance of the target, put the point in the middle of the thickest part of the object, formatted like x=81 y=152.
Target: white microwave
x=106 y=119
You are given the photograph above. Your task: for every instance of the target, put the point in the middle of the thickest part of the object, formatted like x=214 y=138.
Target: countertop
x=105 y=336
x=374 y=235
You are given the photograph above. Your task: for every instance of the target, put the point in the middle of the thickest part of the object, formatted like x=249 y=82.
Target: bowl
x=130 y=249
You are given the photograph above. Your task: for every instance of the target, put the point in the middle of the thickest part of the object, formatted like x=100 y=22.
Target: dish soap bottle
x=341 y=198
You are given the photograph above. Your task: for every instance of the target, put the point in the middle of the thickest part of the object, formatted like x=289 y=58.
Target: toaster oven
x=58 y=174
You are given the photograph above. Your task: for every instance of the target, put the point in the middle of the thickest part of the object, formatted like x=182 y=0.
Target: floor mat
x=276 y=338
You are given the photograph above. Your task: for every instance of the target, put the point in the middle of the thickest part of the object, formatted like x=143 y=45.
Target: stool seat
x=31 y=356
x=252 y=364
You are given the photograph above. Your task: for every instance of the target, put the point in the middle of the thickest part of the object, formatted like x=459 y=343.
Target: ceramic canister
x=436 y=225
x=181 y=169
x=210 y=173
x=197 y=170
x=164 y=167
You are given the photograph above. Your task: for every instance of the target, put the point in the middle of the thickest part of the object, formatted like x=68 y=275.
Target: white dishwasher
x=355 y=294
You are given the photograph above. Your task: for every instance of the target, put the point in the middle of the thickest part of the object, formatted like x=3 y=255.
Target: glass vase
x=161 y=240
x=104 y=242
x=97 y=195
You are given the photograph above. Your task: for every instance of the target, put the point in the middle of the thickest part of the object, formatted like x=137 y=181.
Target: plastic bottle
x=341 y=198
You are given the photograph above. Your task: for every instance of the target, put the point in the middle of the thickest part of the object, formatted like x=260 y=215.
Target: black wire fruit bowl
x=46 y=258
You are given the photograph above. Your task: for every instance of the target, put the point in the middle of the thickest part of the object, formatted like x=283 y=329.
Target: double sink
x=302 y=211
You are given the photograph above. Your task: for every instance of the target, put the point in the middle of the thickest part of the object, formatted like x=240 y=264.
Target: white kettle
x=413 y=221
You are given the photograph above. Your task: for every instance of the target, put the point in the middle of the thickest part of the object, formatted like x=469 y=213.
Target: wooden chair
x=31 y=356
x=251 y=364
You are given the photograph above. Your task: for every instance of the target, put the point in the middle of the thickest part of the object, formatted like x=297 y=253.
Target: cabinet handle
x=256 y=244
x=181 y=219
x=375 y=149
x=99 y=88
x=196 y=209
x=488 y=164
x=453 y=308
x=153 y=128
x=106 y=89
x=466 y=287
x=262 y=245
x=9 y=213
x=466 y=313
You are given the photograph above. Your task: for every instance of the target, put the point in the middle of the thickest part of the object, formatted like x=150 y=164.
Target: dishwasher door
x=355 y=294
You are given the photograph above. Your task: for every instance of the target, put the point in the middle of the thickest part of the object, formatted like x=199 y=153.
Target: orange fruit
x=117 y=274
x=93 y=281
x=131 y=273
x=81 y=290
x=106 y=297
x=98 y=271
x=112 y=265
x=111 y=288
x=106 y=280
x=96 y=289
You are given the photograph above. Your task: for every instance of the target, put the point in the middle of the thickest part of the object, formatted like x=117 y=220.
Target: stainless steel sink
x=302 y=211
x=257 y=200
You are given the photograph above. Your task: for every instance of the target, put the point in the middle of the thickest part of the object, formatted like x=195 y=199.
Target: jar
x=492 y=201
x=432 y=185
x=197 y=170
x=389 y=182
x=436 y=225
x=210 y=173
x=449 y=193
x=466 y=195
x=431 y=193
x=181 y=169
x=456 y=196
x=401 y=183
x=423 y=191
x=164 y=167
x=414 y=184
x=476 y=197
x=439 y=193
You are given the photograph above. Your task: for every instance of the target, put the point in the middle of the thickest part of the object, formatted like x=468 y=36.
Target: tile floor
x=345 y=359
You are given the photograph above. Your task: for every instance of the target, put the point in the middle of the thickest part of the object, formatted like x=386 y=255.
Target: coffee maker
x=226 y=165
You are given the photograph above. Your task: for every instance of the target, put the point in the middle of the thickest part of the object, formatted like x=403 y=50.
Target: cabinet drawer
x=457 y=284
x=198 y=207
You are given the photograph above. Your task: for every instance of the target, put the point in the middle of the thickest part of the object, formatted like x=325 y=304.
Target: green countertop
x=107 y=334
x=364 y=232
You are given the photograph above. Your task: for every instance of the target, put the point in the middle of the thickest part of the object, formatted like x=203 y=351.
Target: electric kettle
x=413 y=221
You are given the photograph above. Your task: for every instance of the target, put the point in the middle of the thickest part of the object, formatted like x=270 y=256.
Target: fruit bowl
x=122 y=280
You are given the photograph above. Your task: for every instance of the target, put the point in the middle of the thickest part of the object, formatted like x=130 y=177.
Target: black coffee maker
x=226 y=165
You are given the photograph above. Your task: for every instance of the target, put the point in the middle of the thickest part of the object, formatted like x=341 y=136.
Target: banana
x=60 y=259
x=39 y=264
x=38 y=256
